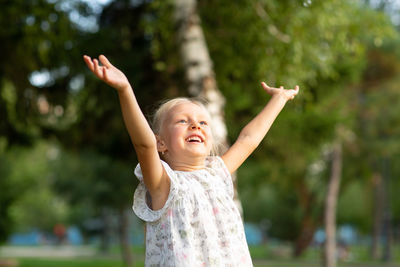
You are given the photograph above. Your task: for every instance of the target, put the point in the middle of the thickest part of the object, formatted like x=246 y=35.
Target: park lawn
x=84 y=262
x=34 y=262
x=96 y=262
x=280 y=256
x=357 y=254
x=263 y=256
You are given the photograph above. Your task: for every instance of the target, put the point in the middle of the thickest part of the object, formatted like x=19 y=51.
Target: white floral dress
x=199 y=224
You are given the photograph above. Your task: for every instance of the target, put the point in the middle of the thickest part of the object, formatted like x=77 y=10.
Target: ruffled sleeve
x=140 y=207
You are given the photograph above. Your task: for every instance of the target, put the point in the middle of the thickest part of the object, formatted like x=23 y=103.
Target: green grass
x=87 y=262
x=279 y=255
x=272 y=255
x=31 y=262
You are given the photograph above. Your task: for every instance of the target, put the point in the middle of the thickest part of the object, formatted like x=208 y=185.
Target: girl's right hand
x=107 y=72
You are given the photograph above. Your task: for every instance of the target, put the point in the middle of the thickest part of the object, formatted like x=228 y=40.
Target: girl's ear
x=161 y=147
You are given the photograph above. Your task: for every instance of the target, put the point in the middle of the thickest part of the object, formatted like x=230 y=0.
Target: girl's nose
x=195 y=125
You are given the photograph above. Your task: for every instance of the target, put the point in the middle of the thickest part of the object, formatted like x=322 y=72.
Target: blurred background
x=322 y=188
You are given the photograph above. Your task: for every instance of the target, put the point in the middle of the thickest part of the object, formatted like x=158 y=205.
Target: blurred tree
x=7 y=197
x=199 y=70
x=41 y=91
x=99 y=182
x=292 y=43
x=330 y=253
x=38 y=47
x=37 y=44
x=126 y=35
x=379 y=131
x=39 y=207
x=27 y=200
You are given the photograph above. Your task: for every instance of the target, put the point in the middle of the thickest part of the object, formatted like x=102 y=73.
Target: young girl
x=185 y=195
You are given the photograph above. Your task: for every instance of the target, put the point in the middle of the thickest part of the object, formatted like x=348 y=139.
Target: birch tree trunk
x=198 y=65
x=199 y=70
x=330 y=206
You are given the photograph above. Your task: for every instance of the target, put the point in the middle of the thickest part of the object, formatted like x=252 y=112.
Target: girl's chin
x=198 y=152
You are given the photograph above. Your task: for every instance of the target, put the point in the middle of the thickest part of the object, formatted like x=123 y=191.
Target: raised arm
x=254 y=132
x=143 y=138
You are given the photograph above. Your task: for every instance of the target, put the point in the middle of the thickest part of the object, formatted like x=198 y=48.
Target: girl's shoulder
x=167 y=168
x=216 y=163
x=213 y=160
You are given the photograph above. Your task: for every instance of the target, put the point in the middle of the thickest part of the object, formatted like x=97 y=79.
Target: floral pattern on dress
x=199 y=225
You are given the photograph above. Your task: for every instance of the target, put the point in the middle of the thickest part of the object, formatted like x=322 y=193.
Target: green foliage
x=337 y=51
x=94 y=179
x=378 y=124
x=39 y=209
x=393 y=188
x=27 y=199
x=6 y=198
x=289 y=43
x=46 y=185
x=355 y=205
x=36 y=37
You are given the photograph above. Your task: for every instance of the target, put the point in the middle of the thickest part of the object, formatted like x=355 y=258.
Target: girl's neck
x=187 y=164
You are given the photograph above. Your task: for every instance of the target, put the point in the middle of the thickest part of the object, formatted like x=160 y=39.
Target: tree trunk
x=106 y=232
x=123 y=229
x=308 y=227
x=387 y=215
x=330 y=206
x=310 y=218
x=377 y=214
x=198 y=65
x=199 y=70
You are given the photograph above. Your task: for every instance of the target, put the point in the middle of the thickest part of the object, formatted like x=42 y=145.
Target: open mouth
x=194 y=139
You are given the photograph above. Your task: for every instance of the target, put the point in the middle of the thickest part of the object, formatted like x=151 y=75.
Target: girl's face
x=186 y=132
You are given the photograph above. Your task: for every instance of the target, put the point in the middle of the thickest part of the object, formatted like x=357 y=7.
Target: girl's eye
x=203 y=123
x=182 y=121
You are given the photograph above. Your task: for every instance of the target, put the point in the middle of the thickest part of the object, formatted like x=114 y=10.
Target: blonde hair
x=165 y=107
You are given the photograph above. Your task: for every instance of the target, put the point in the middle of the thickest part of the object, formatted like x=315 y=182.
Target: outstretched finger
x=105 y=76
x=265 y=86
x=295 y=90
x=105 y=61
x=88 y=62
x=97 y=70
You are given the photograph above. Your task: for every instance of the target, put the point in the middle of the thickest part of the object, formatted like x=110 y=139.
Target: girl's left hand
x=287 y=93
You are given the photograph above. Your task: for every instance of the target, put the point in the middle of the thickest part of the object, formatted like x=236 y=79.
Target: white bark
x=198 y=65
x=199 y=71
x=330 y=206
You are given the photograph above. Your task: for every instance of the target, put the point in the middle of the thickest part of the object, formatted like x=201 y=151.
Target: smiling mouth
x=194 y=139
